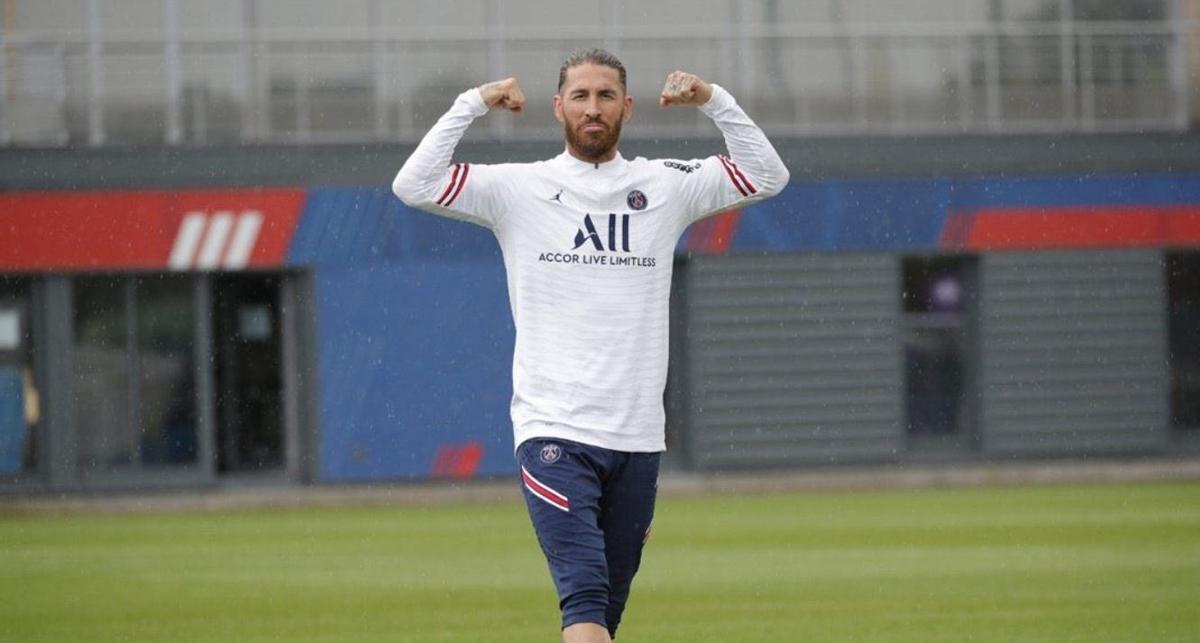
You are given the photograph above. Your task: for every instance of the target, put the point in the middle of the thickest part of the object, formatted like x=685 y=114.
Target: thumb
x=515 y=100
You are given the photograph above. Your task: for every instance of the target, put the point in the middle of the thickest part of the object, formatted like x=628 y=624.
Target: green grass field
x=1067 y=563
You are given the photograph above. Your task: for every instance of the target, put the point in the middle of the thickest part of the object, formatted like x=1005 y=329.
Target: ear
x=558 y=109
x=628 y=109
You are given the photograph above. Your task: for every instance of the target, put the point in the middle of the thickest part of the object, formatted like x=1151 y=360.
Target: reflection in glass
x=167 y=418
x=135 y=394
x=102 y=374
x=933 y=358
x=936 y=326
x=20 y=405
x=249 y=410
x=1183 y=301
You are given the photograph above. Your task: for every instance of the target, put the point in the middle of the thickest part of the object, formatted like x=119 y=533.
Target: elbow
x=784 y=177
x=775 y=181
x=406 y=189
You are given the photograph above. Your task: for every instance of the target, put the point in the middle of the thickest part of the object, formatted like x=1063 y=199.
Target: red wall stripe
x=132 y=230
x=1072 y=227
x=713 y=235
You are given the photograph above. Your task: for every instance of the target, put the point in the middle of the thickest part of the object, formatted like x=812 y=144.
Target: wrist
x=473 y=98
x=717 y=100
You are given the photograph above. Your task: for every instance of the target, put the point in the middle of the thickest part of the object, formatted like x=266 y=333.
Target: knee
x=585 y=605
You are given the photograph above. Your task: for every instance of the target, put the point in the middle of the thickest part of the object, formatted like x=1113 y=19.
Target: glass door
x=938 y=326
x=248 y=343
x=20 y=405
x=1183 y=337
x=135 y=393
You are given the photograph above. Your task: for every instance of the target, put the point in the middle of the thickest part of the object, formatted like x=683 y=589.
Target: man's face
x=592 y=106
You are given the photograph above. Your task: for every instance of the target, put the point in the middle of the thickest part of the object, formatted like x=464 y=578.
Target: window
x=1183 y=302
x=135 y=397
x=938 y=304
x=167 y=391
x=248 y=351
x=20 y=402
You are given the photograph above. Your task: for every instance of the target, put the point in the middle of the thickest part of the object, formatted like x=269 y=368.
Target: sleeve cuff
x=473 y=101
x=719 y=100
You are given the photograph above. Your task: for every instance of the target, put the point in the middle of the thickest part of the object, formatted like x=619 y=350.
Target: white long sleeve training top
x=588 y=251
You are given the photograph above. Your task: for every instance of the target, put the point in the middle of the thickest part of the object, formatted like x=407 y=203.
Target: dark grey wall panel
x=809 y=159
x=792 y=359
x=1073 y=352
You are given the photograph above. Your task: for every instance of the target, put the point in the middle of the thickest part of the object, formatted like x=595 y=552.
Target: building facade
x=199 y=334
x=990 y=247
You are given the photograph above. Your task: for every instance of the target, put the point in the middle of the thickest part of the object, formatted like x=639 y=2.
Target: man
x=588 y=239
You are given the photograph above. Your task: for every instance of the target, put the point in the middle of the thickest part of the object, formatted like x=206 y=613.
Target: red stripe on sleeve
x=746 y=181
x=453 y=180
x=462 y=181
x=733 y=178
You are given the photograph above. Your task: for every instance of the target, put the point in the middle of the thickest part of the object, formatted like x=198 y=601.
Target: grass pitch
x=1061 y=563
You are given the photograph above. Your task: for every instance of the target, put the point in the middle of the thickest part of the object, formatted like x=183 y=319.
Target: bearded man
x=588 y=239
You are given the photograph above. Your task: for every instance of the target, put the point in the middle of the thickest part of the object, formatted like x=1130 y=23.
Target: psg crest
x=636 y=200
x=551 y=453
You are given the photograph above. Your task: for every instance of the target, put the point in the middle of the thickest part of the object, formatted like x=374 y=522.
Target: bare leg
x=586 y=633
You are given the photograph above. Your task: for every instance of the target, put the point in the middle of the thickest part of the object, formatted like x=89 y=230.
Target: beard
x=593 y=146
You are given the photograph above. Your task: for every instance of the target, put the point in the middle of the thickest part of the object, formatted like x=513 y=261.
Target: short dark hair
x=595 y=57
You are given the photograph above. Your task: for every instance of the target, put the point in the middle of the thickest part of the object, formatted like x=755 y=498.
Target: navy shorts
x=591 y=509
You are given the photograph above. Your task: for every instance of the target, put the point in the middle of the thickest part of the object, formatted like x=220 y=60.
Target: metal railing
x=803 y=79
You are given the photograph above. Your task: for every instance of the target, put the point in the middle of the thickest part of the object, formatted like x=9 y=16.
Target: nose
x=593 y=109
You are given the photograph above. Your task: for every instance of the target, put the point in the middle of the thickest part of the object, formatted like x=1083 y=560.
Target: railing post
x=895 y=92
x=1087 y=74
x=5 y=134
x=95 y=106
x=174 y=133
x=966 y=88
x=991 y=76
x=612 y=26
x=379 y=66
x=1067 y=62
x=300 y=87
x=497 y=63
x=858 y=82
x=246 y=72
x=1180 y=90
x=749 y=60
x=729 y=57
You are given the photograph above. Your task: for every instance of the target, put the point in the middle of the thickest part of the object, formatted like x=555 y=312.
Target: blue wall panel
x=369 y=226
x=857 y=215
x=415 y=336
x=413 y=357
x=12 y=421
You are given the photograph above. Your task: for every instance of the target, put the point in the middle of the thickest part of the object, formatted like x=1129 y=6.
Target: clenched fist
x=683 y=88
x=503 y=94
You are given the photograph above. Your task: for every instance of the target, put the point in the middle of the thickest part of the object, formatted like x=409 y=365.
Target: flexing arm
x=754 y=167
x=426 y=181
